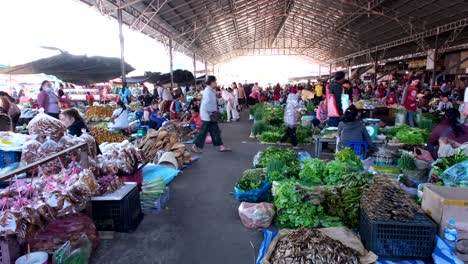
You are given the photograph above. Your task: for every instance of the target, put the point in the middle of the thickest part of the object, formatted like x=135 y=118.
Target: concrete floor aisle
x=201 y=224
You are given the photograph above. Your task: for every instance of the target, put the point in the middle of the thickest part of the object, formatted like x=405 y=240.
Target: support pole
x=320 y=72
x=171 y=65
x=433 y=79
x=194 y=71
x=330 y=76
x=121 y=37
x=350 y=72
x=376 y=61
x=206 y=70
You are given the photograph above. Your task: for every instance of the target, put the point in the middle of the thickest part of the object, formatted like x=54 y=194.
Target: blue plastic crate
x=158 y=204
x=8 y=158
x=395 y=240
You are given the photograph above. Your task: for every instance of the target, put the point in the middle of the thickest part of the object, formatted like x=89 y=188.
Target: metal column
x=121 y=37
x=171 y=63
x=330 y=76
x=349 y=69
x=194 y=71
x=376 y=61
x=206 y=70
x=433 y=79
x=320 y=72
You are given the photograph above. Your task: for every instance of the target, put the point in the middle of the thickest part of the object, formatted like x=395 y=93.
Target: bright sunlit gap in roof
x=266 y=69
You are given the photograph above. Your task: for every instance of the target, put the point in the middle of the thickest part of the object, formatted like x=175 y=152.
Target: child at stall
x=195 y=121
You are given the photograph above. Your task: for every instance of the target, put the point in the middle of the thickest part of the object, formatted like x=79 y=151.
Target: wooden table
x=319 y=140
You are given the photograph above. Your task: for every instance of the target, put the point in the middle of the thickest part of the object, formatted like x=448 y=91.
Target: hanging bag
x=331 y=104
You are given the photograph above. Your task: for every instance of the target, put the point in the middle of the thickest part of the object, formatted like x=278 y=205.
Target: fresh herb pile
x=270 y=136
x=286 y=156
x=442 y=164
x=407 y=162
x=408 y=135
x=251 y=180
x=313 y=172
x=343 y=200
x=297 y=207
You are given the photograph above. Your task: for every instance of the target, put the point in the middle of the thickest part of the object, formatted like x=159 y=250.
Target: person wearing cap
x=209 y=106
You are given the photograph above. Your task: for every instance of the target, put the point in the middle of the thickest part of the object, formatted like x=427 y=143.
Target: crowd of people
x=334 y=102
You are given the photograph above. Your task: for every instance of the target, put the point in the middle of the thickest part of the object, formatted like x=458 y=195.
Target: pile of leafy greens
x=408 y=135
x=286 y=156
x=297 y=207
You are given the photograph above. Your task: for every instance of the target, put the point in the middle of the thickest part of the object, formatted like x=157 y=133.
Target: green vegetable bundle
x=412 y=135
x=287 y=156
x=347 y=155
x=275 y=170
x=343 y=201
x=407 y=162
x=442 y=164
x=153 y=189
x=313 y=172
x=304 y=134
x=271 y=136
x=249 y=182
x=295 y=208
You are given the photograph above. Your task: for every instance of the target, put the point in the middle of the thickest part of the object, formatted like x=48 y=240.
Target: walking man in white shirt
x=208 y=110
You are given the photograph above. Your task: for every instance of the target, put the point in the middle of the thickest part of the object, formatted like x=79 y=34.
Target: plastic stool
x=357 y=147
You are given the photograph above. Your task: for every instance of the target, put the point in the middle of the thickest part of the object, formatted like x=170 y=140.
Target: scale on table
x=371 y=126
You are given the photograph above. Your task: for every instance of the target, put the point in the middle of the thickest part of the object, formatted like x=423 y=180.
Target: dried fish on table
x=307 y=245
x=386 y=201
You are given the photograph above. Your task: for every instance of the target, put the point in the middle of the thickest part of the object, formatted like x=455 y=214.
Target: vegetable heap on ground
x=320 y=194
x=312 y=246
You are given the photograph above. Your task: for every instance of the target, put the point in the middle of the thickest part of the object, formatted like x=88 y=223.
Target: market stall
x=310 y=200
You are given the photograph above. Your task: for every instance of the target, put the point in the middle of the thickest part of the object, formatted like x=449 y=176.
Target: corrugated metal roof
x=324 y=31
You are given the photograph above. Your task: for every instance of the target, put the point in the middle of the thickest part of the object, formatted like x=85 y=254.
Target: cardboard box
x=445 y=203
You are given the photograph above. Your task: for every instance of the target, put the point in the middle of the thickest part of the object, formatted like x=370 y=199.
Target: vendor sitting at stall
x=119 y=119
x=351 y=129
x=195 y=121
x=75 y=124
x=444 y=103
x=451 y=128
x=152 y=116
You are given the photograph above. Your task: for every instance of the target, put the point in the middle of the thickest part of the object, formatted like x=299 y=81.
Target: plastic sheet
x=255 y=196
x=456 y=176
x=256 y=215
x=152 y=171
x=268 y=236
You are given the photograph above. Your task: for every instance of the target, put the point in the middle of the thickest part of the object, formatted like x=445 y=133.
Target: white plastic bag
x=256 y=215
x=45 y=126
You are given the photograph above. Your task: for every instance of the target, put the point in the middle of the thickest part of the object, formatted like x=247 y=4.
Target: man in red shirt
x=411 y=100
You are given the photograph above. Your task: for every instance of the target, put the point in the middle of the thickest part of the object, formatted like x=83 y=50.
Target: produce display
x=407 y=135
x=250 y=181
x=151 y=191
x=30 y=206
x=45 y=126
x=307 y=245
x=441 y=164
x=386 y=201
x=164 y=140
x=298 y=206
x=407 y=162
x=119 y=158
x=99 y=113
x=103 y=135
x=286 y=156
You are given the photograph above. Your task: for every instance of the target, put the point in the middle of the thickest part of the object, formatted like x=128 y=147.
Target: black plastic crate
x=394 y=240
x=121 y=216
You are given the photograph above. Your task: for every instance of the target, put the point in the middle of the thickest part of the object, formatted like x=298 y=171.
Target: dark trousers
x=213 y=128
x=333 y=121
x=290 y=133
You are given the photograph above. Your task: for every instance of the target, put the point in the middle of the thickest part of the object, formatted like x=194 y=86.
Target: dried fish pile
x=164 y=140
x=386 y=201
x=311 y=246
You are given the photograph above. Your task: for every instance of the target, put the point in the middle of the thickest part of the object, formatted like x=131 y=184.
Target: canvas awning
x=73 y=68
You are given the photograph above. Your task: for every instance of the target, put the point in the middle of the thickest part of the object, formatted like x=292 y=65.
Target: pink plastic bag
x=256 y=215
x=332 y=108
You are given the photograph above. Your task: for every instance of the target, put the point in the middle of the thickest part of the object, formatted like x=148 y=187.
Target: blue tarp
x=152 y=171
